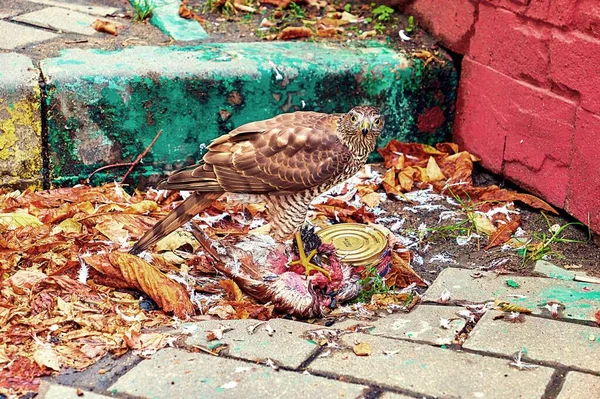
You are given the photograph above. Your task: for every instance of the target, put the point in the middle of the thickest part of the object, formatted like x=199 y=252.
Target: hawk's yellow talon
x=305 y=261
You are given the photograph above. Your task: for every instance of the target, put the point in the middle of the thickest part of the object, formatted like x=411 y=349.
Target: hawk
x=288 y=160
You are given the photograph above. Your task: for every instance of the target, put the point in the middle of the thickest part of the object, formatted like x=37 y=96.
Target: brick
x=173 y=373
x=557 y=12
x=587 y=17
x=581 y=300
x=61 y=19
x=106 y=106
x=530 y=129
x=260 y=345
x=515 y=46
x=55 y=391
x=579 y=385
x=449 y=20
x=421 y=324
x=547 y=340
x=583 y=199
x=20 y=122
x=574 y=63
x=14 y=36
x=418 y=368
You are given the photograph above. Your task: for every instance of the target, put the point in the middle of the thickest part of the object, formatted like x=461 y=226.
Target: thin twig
x=142 y=155
x=130 y=164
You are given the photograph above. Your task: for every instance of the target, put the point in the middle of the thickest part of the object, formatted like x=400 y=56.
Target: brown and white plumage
x=289 y=159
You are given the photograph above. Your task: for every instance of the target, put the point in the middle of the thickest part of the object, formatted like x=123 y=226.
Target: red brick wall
x=529 y=95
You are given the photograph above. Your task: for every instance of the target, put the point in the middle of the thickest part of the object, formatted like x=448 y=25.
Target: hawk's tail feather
x=189 y=208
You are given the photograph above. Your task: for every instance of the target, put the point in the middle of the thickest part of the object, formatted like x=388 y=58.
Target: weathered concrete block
x=20 y=122
x=105 y=107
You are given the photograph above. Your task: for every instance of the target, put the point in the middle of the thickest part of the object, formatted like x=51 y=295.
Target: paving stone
x=107 y=106
x=260 y=346
x=422 y=324
x=579 y=385
x=393 y=395
x=548 y=340
x=429 y=370
x=20 y=121
x=179 y=374
x=581 y=300
x=165 y=16
x=14 y=36
x=84 y=8
x=61 y=19
x=553 y=271
x=55 y=391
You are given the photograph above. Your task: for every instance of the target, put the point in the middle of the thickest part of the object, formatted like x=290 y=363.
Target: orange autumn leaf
x=504 y=232
x=168 y=295
x=401 y=274
x=293 y=32
x=232 y=291
x=494 y=193
x=106 y=27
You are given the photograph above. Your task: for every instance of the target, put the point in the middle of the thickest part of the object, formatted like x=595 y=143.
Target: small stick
x=142 y=155
x=130 y=164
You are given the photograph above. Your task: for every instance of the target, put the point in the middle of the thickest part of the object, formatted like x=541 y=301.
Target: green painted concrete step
x=106 y=107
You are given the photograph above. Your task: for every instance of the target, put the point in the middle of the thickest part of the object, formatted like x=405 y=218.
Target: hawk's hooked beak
x=366 y=126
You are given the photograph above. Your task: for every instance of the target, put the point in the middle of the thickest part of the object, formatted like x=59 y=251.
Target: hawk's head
x=360 y=127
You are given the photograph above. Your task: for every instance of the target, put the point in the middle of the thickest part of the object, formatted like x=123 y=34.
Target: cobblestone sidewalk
x=412 y=355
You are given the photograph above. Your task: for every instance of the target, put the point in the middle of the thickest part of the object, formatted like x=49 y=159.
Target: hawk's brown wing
x=288 y=153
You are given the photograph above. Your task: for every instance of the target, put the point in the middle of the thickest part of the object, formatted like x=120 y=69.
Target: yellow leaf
x=20 y=218
x=371 y=200
x=68 y=226
x=86 y=207
x=45 y=356
x=142 y=207
x=482 y=223
x=434 y=173
x=113 y=230
x=176 y=240
x=362 y=349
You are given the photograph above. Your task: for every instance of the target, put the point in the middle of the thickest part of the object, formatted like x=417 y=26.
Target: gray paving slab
x=13 y=36
x=422 y=324
x=61 y=19
x=260 y=346
x=548 y=340
x=428 y=370
x=173 y=373
x=91 y=9
x=579 y=385
x=581 y=300
x=20 y=121
x=393 y=395
x=55 y=391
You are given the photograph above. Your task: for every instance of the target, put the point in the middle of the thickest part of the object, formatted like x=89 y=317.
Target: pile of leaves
x=70 y=294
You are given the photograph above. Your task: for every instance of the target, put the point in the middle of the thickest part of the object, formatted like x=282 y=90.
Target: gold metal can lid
x=355 y=243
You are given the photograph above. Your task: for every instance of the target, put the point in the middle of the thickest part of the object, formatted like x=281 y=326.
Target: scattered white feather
x=441 y=258
x=403 y=36
x=84 y=271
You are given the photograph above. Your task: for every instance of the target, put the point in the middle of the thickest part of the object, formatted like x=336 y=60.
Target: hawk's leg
x=305 y=260
x=288 y=213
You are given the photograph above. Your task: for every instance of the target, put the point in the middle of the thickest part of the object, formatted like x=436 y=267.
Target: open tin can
x=357 y=244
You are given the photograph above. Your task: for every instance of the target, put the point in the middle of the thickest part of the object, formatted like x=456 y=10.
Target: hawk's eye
x=377 y=122
x=354 y=118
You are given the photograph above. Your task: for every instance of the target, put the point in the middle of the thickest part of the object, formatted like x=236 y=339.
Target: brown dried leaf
x=494 y=193
x=169 y=295
x=401 y=274
x=294 y=32
x=504 y=232
x=176 y=240
x=371 y=200
x=20 y=218
x=45 y=356
x=232 y=290
x=434 y=173
x=106 y=27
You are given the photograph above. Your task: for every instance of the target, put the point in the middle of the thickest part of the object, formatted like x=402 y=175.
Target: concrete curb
x=104 y=107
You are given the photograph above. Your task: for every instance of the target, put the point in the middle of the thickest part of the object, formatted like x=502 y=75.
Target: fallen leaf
x=371 y=200
x=20 y=218
x=106 y=27
x=168 y=295
x=504 y=232
x=293 y=32
x=232 y=290
x=482 y=223
x=434 y=173
x=176 y=240
x=68 y=226
x=362 y=349
x=45 y=356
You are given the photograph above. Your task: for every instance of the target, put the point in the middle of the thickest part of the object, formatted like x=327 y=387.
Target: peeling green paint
x=108 y=109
